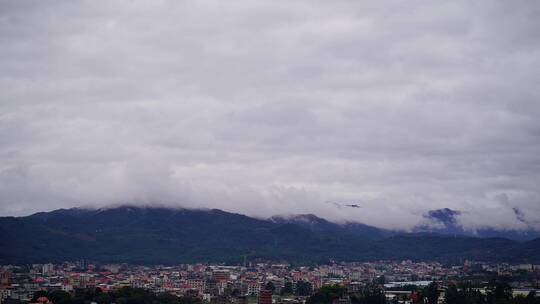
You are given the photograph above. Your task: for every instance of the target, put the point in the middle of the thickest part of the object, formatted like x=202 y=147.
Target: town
x=268 y=282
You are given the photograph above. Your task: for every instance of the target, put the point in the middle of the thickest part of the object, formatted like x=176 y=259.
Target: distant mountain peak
x=306 y=217
x=302 y=219
x=447 y=223
x=445 y=216
x=154 y=234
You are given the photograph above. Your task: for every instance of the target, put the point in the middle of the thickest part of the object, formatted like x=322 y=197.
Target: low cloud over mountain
x=164 y=235
x=268 y=107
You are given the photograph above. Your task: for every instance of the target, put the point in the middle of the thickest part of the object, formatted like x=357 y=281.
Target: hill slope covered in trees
x=163 y=235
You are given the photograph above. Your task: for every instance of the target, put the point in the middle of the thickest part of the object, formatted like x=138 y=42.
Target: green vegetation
x=125 y=295
x=287 y=288
x=172 y=236
x=498 y=292
x=270 y=286
x=327 y=294
x=370 y=294
x=303 y=288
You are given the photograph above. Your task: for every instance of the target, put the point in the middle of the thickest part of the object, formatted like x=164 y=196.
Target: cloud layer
x=274 y=107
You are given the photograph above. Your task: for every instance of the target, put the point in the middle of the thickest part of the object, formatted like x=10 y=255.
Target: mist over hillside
x=364 y=111
x=164 y=235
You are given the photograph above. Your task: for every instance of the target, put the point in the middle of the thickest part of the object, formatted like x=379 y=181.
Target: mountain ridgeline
x=145 y=235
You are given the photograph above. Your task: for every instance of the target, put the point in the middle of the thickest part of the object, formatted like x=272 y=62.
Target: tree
x=499 y=291
x=503 y=291
x=270 y=286
x=125 y=295
x=431 y=292
x=452 y=295
x=327 y=294
x=287 y=288
x=59 y=297
x=532 y=298
x=464 y=293
x=380 y=280
x=303 y=288
x=40 y=293
x=235 y=292
x=100 y=298
x=371 y=294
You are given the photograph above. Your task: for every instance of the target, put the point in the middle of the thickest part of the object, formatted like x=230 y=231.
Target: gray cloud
x=272 y=107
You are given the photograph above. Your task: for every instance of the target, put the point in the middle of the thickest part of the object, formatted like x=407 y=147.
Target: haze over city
x=375 y=112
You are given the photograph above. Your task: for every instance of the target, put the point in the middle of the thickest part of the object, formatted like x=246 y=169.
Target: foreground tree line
x=125 y=295
x=497 y=293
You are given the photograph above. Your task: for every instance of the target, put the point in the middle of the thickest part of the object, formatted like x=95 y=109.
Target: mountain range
x=151 y=235
x=447 y=223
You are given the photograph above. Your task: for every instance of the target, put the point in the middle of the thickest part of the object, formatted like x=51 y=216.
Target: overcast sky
x=274 y=107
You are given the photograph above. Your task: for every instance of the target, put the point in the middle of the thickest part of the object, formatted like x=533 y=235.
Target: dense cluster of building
x=263 y=282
